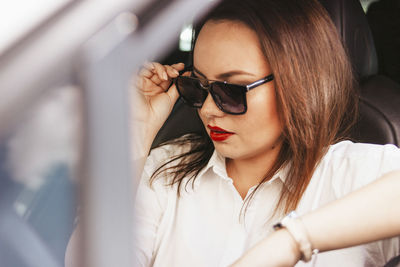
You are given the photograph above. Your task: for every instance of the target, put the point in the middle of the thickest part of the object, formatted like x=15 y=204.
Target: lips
x=219 y=134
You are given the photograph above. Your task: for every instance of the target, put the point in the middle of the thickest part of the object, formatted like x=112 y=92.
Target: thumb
x=173 y=94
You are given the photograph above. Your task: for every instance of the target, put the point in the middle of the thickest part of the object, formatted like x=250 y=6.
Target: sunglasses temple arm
x=259 y=82
x=186 y=69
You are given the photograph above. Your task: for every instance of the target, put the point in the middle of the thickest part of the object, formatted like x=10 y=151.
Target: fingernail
x=149 y=65
x=176 y=72
x=164 y=76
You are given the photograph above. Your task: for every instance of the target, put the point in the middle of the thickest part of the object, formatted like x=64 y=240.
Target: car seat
x=379 y=120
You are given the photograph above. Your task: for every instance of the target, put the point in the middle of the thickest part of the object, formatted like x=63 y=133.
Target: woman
x=269 y=146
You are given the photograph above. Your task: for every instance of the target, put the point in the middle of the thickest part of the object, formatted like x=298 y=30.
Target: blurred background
x=66 y=68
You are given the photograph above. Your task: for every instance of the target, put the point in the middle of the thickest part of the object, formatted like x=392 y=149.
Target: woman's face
x=230 y=51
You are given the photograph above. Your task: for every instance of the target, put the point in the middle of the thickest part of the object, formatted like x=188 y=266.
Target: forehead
x=227 y=45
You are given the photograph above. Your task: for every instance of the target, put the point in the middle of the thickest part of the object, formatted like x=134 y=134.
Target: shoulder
x=163 y=154
x=346 y=167
x=347 y=151
x=349 y=165
x=154 y=193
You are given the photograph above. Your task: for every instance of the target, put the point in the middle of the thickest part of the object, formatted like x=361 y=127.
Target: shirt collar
x=217 y=165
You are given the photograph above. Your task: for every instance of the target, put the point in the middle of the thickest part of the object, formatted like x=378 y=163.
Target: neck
x=250 y=171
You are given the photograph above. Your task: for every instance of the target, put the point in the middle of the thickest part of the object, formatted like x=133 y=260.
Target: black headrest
x=352 y=25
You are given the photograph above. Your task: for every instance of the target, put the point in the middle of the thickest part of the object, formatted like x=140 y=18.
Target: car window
x=365 y=4
x=24 y=16
x=38 y=177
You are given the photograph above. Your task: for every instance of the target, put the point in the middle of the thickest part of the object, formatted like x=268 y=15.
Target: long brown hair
x=315 y=89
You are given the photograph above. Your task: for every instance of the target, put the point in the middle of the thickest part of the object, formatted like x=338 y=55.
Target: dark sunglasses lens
x=229 y=98
x=191 y=91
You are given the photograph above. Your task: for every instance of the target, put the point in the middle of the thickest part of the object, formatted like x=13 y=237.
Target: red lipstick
x=218 y=134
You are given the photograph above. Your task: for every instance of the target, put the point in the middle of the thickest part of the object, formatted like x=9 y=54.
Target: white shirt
x=204 y=226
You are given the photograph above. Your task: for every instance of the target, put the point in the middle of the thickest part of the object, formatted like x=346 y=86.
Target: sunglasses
x=229 y=97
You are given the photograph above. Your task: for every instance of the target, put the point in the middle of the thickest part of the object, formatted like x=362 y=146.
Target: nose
x=210 y=109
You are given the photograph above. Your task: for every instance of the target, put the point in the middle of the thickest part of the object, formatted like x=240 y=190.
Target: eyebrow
x=225 y=75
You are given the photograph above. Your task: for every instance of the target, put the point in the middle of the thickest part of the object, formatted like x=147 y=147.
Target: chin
x=225 y=150
x=228 y=151
x=245 y=152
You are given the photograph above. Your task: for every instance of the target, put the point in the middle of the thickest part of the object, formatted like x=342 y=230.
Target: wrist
x=297 y=230
x=277 y=249
x=289 y=246
x=142 y=136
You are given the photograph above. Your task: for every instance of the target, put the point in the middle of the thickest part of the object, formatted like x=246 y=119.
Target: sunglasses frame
x=209 y=88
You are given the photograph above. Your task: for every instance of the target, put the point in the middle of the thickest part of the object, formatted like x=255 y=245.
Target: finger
x=165 y=85
x=145 y=84
x=138 y=82
x=148 y=65
x=156 y=79
x=146 y=72
x=172 y=73
x=178 y=66
x=152 y=93
x=149 y=85
x=161 y=71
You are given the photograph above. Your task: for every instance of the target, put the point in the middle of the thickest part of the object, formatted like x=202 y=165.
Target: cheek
x=261 y=124
x=201 y=116
x=262 y=108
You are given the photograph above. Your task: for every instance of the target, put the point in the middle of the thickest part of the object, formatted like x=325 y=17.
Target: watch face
x=277 y=226
x=291 y=215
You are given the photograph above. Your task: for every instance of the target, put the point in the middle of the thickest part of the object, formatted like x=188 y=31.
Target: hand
x=277 y=250
x=153 y=99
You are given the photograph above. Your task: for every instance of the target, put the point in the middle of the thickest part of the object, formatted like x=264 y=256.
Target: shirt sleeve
x=364 y=164
x=149 y=208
